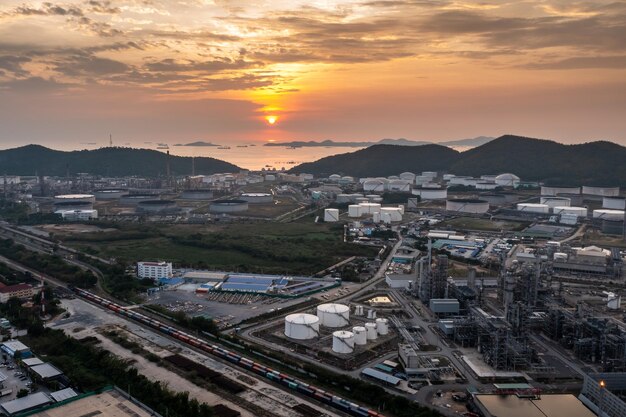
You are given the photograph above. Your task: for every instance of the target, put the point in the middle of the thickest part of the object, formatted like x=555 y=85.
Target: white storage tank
x=331 y=215
x=369 y=208
x=555 y=201
x=333 y=315
x=344 y=198
x=371 y=333
x=354 y=210
x=431 y=193
x=578 y=211
x=607 y=214
x=343 y=342
x=553 y=191
x=257 y=198
x=110 y=193
x=429 y=174
x=75 y=198
x=507 y=180
x=360 y=335
x=334 y=178
x=399 y=185
x=382 y=326
x=376 y=217
x=302 y=326
x=408 y=176
x=467 y=205
x=601 y=191
x=374 y=185
x=614 y=203
x=393 y=213
x=533 y=207
x=486 y=185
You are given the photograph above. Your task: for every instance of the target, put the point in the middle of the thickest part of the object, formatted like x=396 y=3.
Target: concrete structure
x=400 y=280
x=109 y=193
x=555 y=201
x=333 y=315
x=75 y=198
x=78 y=215
x=382 y=326
x=578 y=211
x=360 y=335
x=199 y=194
x=601 y=191
x=19 y=291
x=371 y=333
x=343 y=342
x=257 y=198
x=507 y=180
x=467 y=205
x=154 y=270
x=533 y=208
x=228 y=206
x=331 y=215
x=444 y=306
x=554 y=191
x=614 y=203
x=606 y=214
x=301 y=326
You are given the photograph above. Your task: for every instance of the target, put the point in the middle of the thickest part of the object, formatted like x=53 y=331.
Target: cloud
x=33 y=85
x=173 y=65
x=48 y=9
x=13 y=64
x=583 y=62
x=89 y=65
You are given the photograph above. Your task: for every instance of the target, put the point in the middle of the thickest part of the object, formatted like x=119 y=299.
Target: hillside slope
x=35 y=159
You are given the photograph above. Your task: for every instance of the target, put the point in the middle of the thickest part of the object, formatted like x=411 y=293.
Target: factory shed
x=45 y=372
x=16 y=349
x=64 y=394
x=30 y=362
x=444 y=305
x=24 y=404
x=381 y=376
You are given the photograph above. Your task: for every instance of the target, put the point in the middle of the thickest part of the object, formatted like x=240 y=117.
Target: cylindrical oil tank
x=344 y=198
x=494 y=199
x=343 y=342
x=302 y=326
x=228 y=206
x=73 y=205
x=371 y=333
x=333 y=315
x=331 y=215
x=607 y=214
x=507 y=180
x=360 y=335
x=555 y=201
x=134 y=199
x=614 y=203
x=553 y=191
x=75 y=198
x=394 y=213
x=382 y=326
x=400 y=185
x=401 y=207
x=431 y=193
x=429 y=174
x=156 y=206
x=376 y=217
x=197 y=194
x=579 y=211
x=109 y=193
x=369 y=208
x=483 y=185
x=345 y=180
x=601 y=191
x=360 y=200
x=354 y=210
x=374 y=185
x=467 y=205
x=575 y=199
x=334 y=177
x=257 y=198
x=408 y=176
x=533 y=208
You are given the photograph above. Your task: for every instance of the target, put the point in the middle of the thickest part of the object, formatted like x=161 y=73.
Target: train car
x=271 y=374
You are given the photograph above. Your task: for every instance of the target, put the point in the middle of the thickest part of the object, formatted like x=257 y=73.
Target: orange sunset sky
x=71 y=72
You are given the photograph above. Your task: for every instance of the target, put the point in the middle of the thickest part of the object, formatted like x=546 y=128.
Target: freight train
x=259 y=369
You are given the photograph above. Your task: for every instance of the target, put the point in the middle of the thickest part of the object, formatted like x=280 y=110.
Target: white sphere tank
x=608 y=214
x=354 y=210
x=302 y=326
x=382 y=326
x=370 y=329
x=343 y=342
x=333 y=315
x=360 y=335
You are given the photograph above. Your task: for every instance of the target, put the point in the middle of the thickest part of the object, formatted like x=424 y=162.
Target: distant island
x=328 y=143
x=198 y=143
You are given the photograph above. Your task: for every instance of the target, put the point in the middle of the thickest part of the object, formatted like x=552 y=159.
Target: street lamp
x=602 y=386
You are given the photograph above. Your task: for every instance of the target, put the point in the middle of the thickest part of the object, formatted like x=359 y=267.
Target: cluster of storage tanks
x=302 y=326
x=379 y=214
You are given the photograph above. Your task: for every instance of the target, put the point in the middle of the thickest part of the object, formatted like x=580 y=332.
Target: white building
x=154 y=270
x=78 y=215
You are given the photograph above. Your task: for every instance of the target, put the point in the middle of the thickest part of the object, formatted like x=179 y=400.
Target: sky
x=178 y=71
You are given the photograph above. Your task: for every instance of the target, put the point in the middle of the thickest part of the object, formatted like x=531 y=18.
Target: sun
x=271 y=119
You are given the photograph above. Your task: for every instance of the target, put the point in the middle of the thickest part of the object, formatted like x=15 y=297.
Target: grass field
x=285 y=248
x=470 y=223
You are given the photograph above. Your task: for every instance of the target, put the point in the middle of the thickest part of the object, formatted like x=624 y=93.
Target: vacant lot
x=470 y=223
x=282 y=248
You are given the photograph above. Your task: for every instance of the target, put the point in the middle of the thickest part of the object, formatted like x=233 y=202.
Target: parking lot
x=16 y=379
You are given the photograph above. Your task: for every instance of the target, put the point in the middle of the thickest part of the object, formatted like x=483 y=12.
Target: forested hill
x=35 y=159
x=593 y=163
x=383 y=160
